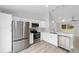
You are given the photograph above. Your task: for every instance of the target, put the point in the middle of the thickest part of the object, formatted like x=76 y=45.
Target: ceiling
x=41 y=12
x=28 y=11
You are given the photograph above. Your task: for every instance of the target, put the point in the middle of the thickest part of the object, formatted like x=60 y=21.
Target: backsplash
x=67 y=28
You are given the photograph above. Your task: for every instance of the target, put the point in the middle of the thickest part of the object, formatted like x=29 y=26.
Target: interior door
x=5 y=20
x=5 y=33
x=5 y=40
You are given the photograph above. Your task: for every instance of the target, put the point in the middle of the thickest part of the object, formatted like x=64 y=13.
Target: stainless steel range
x=36 y=34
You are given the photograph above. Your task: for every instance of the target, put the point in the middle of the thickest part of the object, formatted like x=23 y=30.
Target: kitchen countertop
x=66 y=34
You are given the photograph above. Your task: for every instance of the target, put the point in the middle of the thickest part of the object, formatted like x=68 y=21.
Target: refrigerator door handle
x=20 y=39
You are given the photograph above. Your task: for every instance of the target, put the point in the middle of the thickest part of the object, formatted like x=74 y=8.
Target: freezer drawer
x=20 y=45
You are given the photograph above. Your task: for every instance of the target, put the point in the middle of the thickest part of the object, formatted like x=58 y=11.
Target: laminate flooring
x=43 y=47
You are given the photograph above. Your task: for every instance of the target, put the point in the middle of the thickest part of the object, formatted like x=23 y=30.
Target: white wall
x=76 y=28
x=52 y=24
x=60 y=23
x=5 y=33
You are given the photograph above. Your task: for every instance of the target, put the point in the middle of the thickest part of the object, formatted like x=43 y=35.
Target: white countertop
x=60 y=33
x=66 y=34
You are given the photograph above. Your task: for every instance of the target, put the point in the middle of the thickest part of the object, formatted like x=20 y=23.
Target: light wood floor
x=43 y=47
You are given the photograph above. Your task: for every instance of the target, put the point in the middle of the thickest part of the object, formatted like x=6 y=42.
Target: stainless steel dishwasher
x=64 y=42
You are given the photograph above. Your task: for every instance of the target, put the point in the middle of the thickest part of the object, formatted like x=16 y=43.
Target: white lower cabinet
x=31 y=38
x=50 y=38
x=67 y=42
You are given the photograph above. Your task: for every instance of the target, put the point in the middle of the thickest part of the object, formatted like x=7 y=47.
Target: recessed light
x=46 y=5
x=63 y=20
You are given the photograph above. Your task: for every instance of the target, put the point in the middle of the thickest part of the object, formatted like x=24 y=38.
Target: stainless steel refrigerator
x=20 y=34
